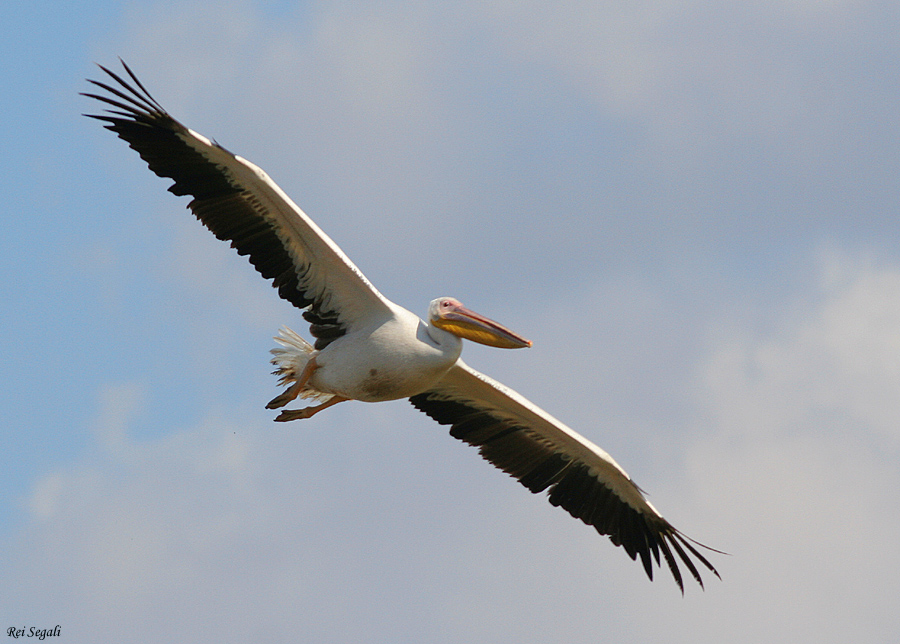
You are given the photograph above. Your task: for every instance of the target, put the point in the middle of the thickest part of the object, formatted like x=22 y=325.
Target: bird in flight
x=367 y=348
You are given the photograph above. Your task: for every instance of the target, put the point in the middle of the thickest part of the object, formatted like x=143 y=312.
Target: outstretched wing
x=238 y=202
x=538 y=450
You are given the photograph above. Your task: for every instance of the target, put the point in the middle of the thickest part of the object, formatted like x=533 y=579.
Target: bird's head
x=450 y=315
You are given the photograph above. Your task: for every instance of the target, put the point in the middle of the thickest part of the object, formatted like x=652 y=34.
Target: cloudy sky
x=691 y=208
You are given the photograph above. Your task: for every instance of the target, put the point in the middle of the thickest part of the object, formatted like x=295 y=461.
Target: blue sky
x=691 y=208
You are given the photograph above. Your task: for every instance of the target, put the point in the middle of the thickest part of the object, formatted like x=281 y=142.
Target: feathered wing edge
x=543 y=454
x=236 y=209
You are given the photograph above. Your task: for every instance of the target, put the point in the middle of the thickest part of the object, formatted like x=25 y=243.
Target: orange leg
x=308 y=412
x=294 y=390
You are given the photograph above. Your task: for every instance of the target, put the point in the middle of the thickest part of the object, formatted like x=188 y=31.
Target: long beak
x=470 y=325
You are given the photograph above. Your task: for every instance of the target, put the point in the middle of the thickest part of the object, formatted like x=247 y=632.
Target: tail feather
x=290 y=358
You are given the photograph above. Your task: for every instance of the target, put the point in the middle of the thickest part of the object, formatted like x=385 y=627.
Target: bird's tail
x=290 y=358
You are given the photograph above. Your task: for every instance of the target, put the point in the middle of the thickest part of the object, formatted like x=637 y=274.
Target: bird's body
x=369 y=349
x=394 y=358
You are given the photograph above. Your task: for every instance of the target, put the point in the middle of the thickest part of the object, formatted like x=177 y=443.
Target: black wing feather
x=225 y=208
x=539 y=465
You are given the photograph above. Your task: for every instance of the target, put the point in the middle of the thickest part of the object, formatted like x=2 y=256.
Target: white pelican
x=367 y=348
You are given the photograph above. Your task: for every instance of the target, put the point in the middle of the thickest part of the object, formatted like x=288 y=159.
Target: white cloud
x=838 y=366
x=791 y=467
x=379 y=57
x=235 y=527
x=727 y=117
x=704 y=83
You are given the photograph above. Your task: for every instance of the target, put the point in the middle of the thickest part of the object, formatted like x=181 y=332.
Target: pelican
x=367 y=348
